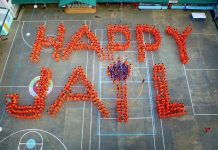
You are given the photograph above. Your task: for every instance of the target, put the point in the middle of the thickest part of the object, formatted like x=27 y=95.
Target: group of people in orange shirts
x=119 y=72
x=165 y=109
x=74 y=44
x=112 y=45
x=68 y=95
x=28 y=111
x=122 y=102
x=58 y=43
x=180 y=41
x=37 y=46
x=148 y=46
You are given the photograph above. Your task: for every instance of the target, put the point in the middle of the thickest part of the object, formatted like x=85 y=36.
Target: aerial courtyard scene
x=108 y=75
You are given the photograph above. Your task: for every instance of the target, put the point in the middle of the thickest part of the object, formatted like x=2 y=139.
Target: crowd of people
x=68 y=95
x=165 y=108
x=113 y=46
x=180 y=41
x=37 y=46
x=30 y=111
x=122 y=102
x=119 y=72
x=74 y=44
x=148 y=46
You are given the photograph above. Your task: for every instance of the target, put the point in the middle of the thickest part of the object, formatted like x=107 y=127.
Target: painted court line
x=26 y=86
x=34 y=143
x=134 y=67
x=162 y=130
x=150 y=94
x=203 y=33
x=93 y=78
x=131 y=118
x=99 y=123
x=126 y=134
x=206 y=114
x=120 y=41
x=189 y=89
x=126 y=82
x=162 y=134
x=151 y=103
x=163 y=139
x=9 y=53
x=53 y=20
x=133 y=51
x=106 y=29
x=34 y=130
x=6 y=65
x=28 y=133
x=84 y=103
x=140 y=98
x=200 y=69
x=128 y=98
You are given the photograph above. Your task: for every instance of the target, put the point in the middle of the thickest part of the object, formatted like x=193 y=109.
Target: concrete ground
x=78 y=125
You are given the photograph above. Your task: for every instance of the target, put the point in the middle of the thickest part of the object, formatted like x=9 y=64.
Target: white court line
x=106 y=29
x=149 y=89
x=18 y=147
x=93 y=78
x=84 y=103
x=151 y=103
x=4 y=108
x=120 y=41
x=34 y=130
x=203 y=33
x=206 y=114
x=26 y=86
x=9 y=54
x=126 y=81
x=152 y=67
x=199 y=69
x=13 y=86
x=163 y=139
x=34 y=143
x=189 y=89
x=78 y=86
x=132 y=118
x=162 y=134
x=99 y=122
x=133 y=51
x=133 y=67
x=121 y=22
x=23 y=36
x=53 y=20
x=128 y=98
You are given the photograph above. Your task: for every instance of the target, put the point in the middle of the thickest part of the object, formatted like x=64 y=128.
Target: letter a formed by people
x=68 y=95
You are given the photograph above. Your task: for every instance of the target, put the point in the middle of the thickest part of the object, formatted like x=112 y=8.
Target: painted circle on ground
x=34 y=84
x=30 y=144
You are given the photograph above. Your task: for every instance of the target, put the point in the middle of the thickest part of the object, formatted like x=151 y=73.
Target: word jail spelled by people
x=118 y=71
